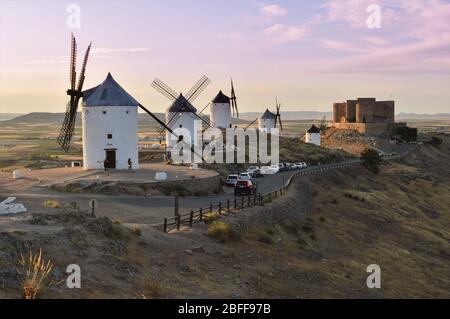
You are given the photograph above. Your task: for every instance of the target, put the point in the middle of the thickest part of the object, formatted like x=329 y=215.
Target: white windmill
x=181 y=115
x=109 y=120
x=221 y=108
x=268 y=120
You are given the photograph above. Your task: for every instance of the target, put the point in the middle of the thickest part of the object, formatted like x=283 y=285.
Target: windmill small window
x=109 y=136
x=104 y=112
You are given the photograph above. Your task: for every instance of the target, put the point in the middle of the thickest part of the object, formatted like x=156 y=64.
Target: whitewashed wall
x=221 y=115
x=187 y=122
x=312 y=138
x=123 y=127
x=266 y=123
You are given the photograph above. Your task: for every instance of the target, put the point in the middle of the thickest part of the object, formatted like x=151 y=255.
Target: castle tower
x=221 y=111
x=109 y=119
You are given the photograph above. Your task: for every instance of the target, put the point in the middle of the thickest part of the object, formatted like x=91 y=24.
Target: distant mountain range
x=57 y=118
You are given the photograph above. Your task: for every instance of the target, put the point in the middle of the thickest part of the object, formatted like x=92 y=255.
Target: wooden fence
x=239 y=203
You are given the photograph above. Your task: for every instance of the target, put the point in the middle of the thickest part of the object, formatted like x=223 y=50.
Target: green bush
x=371 y=159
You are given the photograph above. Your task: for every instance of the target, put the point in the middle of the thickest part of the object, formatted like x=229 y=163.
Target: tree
x=371 y=159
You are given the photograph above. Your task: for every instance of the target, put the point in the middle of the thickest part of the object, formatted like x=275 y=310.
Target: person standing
x=130 y=164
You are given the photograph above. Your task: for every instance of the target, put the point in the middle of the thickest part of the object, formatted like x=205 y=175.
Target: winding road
x=146 y=210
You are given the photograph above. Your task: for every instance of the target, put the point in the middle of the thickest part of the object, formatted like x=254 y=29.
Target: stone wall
x=369 y=128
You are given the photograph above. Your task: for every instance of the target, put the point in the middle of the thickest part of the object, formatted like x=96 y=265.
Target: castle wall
x=385 y=111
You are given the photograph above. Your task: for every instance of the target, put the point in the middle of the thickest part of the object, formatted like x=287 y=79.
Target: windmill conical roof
x=181 y=104
x=313 y=129
x=268 y=115
x=108 y=93
x=221 y=98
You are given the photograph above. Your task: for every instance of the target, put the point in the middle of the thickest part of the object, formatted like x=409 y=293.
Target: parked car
x=257 y=173
x=297 y=166
x=244 y=187
x=232 y=179
x=245 y=175
x=275 y=168
x=252 y=169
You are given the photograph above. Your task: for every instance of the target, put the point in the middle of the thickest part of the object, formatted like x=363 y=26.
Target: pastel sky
x=308 y=54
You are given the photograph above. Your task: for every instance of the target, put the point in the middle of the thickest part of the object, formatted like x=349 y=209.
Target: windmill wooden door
x=110 y=158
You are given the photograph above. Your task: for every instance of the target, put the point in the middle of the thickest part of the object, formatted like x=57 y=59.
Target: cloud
x=274 y=10
x=119 y=50
x=282 y=33
x=45 y=61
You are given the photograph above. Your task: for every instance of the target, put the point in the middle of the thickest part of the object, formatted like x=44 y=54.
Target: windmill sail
x=75 y=93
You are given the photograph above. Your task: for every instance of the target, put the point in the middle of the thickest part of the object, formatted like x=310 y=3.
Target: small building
x=313 y=135
x=221 y=111
x=267 y=120
x=110 y=127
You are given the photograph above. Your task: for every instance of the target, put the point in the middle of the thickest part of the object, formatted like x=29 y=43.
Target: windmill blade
x=164 y=89
x=206 y=121
x=155 y=118
x=198 y=88
x=173 y=117
x=281 y=124
x=83 y=70
x=251 y=123
x=73 y=62
x=234 y=101
x=68 y=126
x=167 y=128
x=67 y=129
x=279 y=115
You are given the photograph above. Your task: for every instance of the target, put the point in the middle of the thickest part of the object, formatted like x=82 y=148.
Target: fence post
x=210 y=208
x=228 y=205
x=259 y=198
x=235 y=203
x=254 y=199
x=220 y=207
x=165 y=225
x=248 y=201
x=201 y=214
x=191 y=218
x=178 y=222
x=176 y=205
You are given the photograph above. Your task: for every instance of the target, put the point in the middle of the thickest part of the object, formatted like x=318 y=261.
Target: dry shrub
x=34 y=272
x=222 y=232
x=52 y=203
x=136 y=231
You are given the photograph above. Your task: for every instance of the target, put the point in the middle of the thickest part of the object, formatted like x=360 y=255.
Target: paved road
x=146 y=210
x=139 y=209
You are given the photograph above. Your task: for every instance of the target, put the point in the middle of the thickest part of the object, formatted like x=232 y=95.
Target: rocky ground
x=354 y=142
x=315 y=242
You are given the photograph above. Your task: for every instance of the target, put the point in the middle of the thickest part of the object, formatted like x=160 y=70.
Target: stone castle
x=366 y=115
